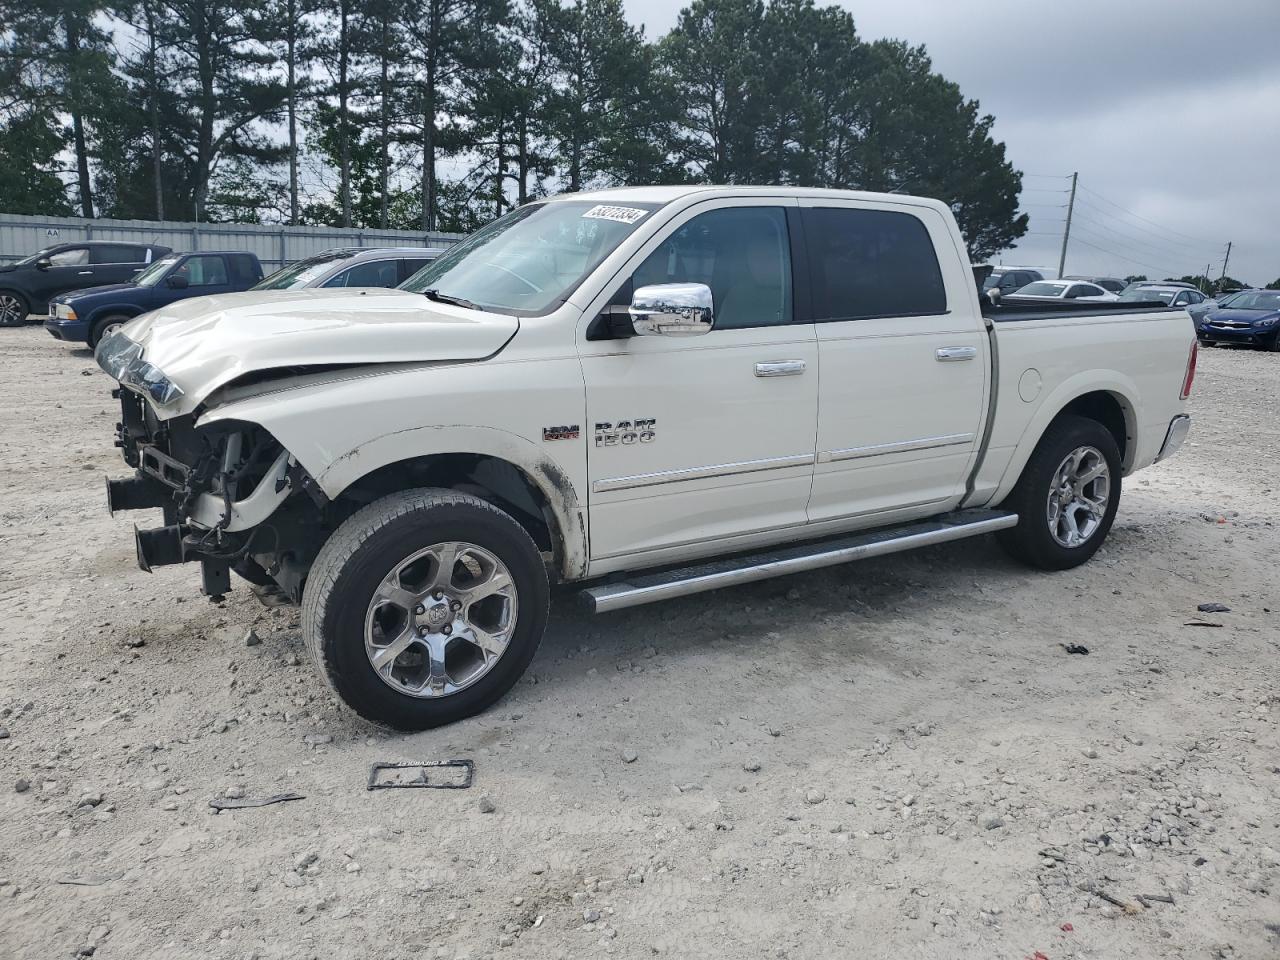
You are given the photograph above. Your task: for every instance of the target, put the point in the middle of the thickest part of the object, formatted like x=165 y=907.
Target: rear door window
x=111 y=253
x=871 y=263
x=374 y=273
x=204 y=271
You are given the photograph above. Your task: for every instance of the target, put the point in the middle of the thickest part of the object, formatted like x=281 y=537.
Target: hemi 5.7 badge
x=561 y=433
x=626 y=432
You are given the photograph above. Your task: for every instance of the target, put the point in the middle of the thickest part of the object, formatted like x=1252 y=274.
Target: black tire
x=1031 y=540
x=100 y=327
x=1273 y=344
x=14 y=308
x=364 y=550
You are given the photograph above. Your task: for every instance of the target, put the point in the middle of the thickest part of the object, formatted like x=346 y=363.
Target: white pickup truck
x=646 y=392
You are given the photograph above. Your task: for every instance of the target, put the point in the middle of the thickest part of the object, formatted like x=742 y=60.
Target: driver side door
x=698 y=444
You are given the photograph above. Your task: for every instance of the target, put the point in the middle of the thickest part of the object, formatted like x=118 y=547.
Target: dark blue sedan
x=1249 y=317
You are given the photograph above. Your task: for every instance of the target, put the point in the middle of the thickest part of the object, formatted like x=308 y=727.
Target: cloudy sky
x=1169 y=110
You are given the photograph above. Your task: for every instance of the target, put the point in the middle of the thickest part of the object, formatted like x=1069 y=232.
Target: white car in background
x=1063 y=290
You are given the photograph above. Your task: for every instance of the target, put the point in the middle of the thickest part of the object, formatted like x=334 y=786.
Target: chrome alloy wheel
x=1078 y=496
x=12 y=310
x=440 y=620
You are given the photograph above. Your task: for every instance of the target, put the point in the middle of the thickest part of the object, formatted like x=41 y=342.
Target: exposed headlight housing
x=63 y=311
x=121 y=358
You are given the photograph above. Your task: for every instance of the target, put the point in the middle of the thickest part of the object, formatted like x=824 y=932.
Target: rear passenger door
x=902 y=359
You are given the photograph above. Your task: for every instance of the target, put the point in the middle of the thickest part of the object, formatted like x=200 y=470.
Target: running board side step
x=714 y=574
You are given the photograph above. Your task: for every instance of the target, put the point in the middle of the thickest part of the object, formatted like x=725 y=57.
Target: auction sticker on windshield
x=603 y=211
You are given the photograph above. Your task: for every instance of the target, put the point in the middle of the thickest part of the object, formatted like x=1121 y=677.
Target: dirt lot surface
x=891 y=759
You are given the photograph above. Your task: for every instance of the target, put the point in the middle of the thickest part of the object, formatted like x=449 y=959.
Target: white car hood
x=204 y=343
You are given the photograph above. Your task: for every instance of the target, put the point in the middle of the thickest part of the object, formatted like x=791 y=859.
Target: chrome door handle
x=85 y=273
x=951 y=354
x=780 y=368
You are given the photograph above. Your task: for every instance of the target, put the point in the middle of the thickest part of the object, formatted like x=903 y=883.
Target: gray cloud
x=1169 y=110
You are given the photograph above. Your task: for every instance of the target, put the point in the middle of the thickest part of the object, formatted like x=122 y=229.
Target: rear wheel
x=13 y=308
x=425 y=607
x=1067 y=496
x=107 y=326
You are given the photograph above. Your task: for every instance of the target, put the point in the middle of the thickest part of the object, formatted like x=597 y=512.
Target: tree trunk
x=153 y=95
x=201 y=31
x=291 y=63
x=72 y=30
x=499 y=168
x=344 y=127
x=384 y=127
x=429 y=123
x=522 y=183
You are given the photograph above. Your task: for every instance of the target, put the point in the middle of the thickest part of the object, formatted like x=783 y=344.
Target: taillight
x=1191 y=370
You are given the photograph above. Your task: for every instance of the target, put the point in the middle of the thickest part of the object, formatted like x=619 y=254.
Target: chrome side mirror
x=672 y=310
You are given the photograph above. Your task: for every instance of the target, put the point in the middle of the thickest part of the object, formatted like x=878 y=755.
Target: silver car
x=352 y=267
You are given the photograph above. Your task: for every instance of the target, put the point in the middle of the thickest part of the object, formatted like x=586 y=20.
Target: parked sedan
x=1193 y=301
x=352 y=267
x=1063 y=290
x=1250 y=317
x=1110 y=284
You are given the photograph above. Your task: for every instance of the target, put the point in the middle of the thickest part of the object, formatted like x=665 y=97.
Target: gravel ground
x=895 y=758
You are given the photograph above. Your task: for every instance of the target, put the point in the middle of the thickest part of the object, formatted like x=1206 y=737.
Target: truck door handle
x=951 y=354
x=780 y=368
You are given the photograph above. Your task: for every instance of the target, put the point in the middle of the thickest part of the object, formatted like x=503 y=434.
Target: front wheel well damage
x=492 y=479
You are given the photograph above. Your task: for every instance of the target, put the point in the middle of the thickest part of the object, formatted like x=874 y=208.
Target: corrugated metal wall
x=22 y=236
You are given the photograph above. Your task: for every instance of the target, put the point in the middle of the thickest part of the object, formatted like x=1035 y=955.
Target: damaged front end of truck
x=225 y=489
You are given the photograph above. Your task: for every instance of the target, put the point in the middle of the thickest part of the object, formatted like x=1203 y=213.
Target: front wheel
x=105 y=327
x=1067 y=496
x=13 y=309
x=425 y=607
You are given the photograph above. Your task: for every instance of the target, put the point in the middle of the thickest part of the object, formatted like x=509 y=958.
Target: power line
x=1153 y=223
x=1157 y=238
x=1149 y=245
x=1112 y=253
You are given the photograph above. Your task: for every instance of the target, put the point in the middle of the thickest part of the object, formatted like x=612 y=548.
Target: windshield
x=532 y=259
x=1258 y=300
x=151 y=276
x=1147 y=295
x=1041 y=288
x=303 y=273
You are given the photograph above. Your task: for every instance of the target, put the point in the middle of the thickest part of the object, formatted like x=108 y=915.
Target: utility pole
x=1066 y=233
x=1207 y=285
x=1225 y=261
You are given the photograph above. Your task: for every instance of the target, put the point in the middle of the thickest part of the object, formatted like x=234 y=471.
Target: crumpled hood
x=203 y=343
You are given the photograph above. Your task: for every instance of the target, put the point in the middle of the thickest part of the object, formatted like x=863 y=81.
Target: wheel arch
x=1109 y=400
x=532 y=488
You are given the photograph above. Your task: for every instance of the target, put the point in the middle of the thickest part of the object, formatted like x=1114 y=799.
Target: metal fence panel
x=21 y=236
